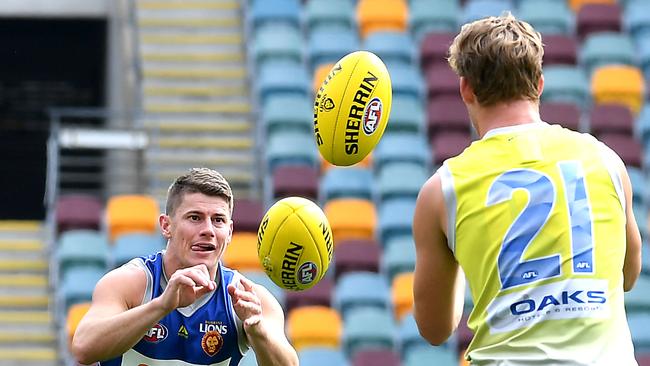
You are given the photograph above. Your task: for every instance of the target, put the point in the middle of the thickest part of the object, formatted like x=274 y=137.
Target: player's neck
x=505 y=114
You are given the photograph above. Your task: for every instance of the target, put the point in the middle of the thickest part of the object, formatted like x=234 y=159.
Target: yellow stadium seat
x=382 y=15
x=131 y=214
x=314 y=326
x=351 y=218
x=402 y=293
x=319 y=75
x=620 y=84
x=241 y=253
x=75 y=313
x=576 y=4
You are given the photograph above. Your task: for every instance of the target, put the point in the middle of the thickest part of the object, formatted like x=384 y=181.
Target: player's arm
x=263 y=322
x=439 y=283
x=632 y=264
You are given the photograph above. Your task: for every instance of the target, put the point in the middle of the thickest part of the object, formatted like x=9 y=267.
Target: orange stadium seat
x=384 y=15
x=75 y=313
x=351 y=218
x=319 y=75
x=131 y=214
x=314 y=326
x=402 y=293
x=241 y=253
x=618 y=84
x=577 y=4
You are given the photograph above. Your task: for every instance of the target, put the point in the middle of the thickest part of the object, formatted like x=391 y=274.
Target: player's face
x=199 y=230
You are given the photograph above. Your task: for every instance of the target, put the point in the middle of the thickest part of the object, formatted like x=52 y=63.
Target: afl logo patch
x=307 y=273
x=211 y=342
x=157 y=333
x=372 y=116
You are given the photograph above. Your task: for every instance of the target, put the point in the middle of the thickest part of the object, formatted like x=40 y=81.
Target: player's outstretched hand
x=187 y=285
x=247 y=304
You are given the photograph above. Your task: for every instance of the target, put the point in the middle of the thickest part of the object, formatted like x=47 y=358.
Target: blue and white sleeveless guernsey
x=207 y=332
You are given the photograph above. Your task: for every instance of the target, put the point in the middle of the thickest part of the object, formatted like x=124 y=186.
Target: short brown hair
x=198 y=180
x=500 y=57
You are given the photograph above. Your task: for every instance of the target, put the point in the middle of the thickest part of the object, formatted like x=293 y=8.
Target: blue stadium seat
x=277 y=77
x=406 y=115
x=329 y=14
x=339 y=182
x=321 y=356
x=639 y=323
x=406 y=80
x=639 y=185
x=291 y=148
x=400 y=180
x=605 y=48
x=643 y=126
x=477 y=9
x=263 y=12
x=82 y=248
x=395 y=217
x=361 y=290
x=636 y=18
x=641 y=216
x=433 y=16
x=638 y=300
x=129 y=246
x=328 y=45
x=547 y=17
x=645 y=261
x=643 y=49
x=368 y=328
x=565 y=83
x=399 y=256
x=401 y=148
x=428 y=355
x=392 y=47
x=277 y=42
x=78 y=284
x=288 y=112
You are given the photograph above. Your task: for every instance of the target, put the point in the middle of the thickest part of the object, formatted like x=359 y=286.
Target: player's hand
x=246 y=303
x=187 y=285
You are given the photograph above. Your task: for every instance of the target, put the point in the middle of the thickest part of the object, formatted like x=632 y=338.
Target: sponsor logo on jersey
x=307 y=273
x=213 y=326
x=182 y=332
x=157 y=333
x=211 y=342
x=372 y=116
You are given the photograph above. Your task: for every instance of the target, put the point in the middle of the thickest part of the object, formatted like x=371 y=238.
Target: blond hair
x=198 y=180
x=500 y=57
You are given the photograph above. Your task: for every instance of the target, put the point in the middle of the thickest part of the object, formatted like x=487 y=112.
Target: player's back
x=537 y=222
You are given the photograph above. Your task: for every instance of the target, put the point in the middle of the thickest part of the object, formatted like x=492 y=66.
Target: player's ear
x=165 y=224
x=540 y=86
x=466 y=91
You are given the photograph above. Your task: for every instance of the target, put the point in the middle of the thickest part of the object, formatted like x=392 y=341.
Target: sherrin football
x=294 y=243
x=352 y=107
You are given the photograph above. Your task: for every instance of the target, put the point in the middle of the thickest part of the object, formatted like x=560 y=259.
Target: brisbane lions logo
x=211 y=342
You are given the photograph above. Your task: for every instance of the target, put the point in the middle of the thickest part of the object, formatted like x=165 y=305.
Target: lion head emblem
x=211 y=342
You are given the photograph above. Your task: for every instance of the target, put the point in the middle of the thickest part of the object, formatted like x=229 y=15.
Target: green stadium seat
x=368 y=328
x=82 y=248
x=395 y=218
x=291 y=148
x=428 y=355
x=565 y=83
x=77 y=285
x=392 y=47
x=355 y=290
x=328 y=14
x=399 y=256
x=406 y=115
x=289 y=113
x=547 y=17
x=606 y=48
x=129 y=246
x=401 y=148
x=433 y=16
x=328 y=45
x=277 y=42
x=400 y=180
x=346 y=182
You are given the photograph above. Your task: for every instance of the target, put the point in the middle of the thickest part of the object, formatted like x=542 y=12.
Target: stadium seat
x=364 y=163
x=131 y=213
x=381 y=15
x=560 y=49
x=73 y=317
x=78 y=211
x=129 y=246
x=400 y=180
x=643 y=49
x=82 y=248
x=318 y=295
x=477 y=9
x=547 y=17
x=401 y=148
x=329 y=14
x=395 y=217
x=276 y=119
x=428 y=16
x=619 y=84
x=606 y=48
x=277 y=42
x=562 y=113
x=241 y=253
x=247 y=214
x=447 y=113
x=330 y=45
x=441 y=80
x=565 y=83
x=320 y=74
x=406 y=115
x=641 y=215
x=428 y=355
x=577 y=4
x=643 y=126
x=627 y=147
x=434 y=48
x=645 y=262
x=291 y=148
x=636 y=18
x=78 y=284
x=446 y=145
x=351 y=218
x=391 y=46
x=277 y=77
x=399 y=256
x=639 y=185
x=406 y=80
x=376 y=357
x=593 y=18
x=274 y=11
x=643 y=358
x=402 y=294
x=295 y=180
x=346 y=182
x=314 y=326
x=639 y=323
x=322 y=356
x=638 y=300
x=356 y=256
x=262 y=279
x=368 y=328
x=611 y=118
x=360 y=290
